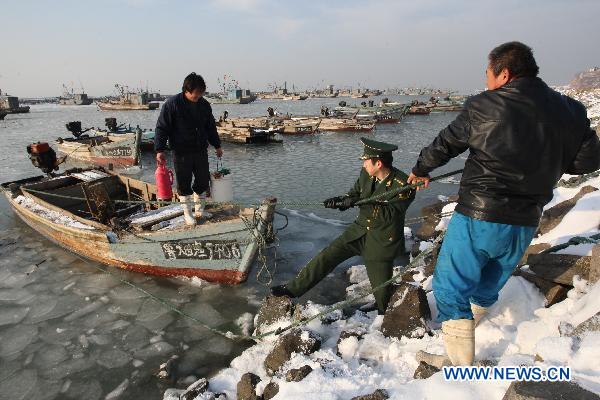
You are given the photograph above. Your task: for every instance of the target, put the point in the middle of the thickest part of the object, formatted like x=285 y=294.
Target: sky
x=261 y=43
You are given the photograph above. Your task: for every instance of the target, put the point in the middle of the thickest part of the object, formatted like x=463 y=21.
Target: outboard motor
x=43 y=157
x=363 y=103
x=342 y=103
x=271 y=112
x=111 y=123
x=385 y=100
x=371 y=103
x=74 y=127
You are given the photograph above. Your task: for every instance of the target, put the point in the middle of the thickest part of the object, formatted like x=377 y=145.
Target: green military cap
x=373 y=149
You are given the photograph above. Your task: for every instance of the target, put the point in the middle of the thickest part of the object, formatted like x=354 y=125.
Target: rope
x=281 y=204
x=575 y=240
x=345 y=303
x=577 y=180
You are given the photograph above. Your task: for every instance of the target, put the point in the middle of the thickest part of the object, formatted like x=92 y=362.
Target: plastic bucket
x=221 y=189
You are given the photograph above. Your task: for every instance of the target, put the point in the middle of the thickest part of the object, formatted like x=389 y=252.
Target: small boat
x=102 y=147
x=127 y=101
x=92 y=222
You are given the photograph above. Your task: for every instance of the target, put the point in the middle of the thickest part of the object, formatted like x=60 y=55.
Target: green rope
x=345 y=303
x=574 y=241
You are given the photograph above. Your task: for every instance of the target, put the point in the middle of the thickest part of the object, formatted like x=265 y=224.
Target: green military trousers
x=330 y=257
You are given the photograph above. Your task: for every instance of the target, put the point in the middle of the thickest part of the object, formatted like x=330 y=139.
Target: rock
x=559 y=268
x=379 y=394
x=406 y=313
x=533 y=249
x=431 y=213
x=595 y=265
x=270 y=391
x=194 y=390
x=273 y=309
x=246 y=387
x=554 y=215
x=425 y=370
x=357 y=333
x=168 y=370
x=431 y=260
x=553 y=292
x=547 y=390
x=591 y=324
x=297 y=374
x=296 y=341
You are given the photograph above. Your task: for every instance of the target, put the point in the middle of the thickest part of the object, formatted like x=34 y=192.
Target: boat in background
x=70 y=98
x=127 y=101
x=91 y=222
x=108 y=148
x=10 y=104
x=234 y=96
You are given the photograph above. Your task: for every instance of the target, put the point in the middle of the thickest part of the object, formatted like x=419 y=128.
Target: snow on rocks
x=356 y=359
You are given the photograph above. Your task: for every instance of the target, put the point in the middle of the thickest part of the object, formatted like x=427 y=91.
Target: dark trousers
x=190 y=165
x=330 y=257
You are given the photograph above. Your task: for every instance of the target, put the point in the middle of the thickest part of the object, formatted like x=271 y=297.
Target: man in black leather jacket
x=521 y=136
x=187 y=123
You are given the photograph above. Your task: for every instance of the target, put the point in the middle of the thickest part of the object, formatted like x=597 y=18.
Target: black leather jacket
x=521 y=138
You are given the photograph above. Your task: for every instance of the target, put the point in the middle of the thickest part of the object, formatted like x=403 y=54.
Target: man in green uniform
x=377 y=234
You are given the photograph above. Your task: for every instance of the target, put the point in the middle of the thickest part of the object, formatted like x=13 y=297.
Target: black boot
x=281 y=290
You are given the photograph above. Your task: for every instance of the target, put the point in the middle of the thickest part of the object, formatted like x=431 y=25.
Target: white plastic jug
x=221 y=189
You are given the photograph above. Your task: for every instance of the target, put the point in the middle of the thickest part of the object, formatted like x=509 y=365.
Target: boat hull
x=120 y=151
x=222 y=255
x=126 y=107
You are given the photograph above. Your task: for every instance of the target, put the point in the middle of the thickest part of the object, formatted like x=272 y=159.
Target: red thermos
x=164 y=180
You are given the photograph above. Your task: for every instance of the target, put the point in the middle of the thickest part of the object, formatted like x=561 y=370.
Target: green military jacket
x=383 y=221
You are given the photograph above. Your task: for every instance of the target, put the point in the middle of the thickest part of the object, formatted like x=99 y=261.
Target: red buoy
x=164 y=180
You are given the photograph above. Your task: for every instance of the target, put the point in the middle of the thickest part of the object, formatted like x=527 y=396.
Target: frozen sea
x=69 y=330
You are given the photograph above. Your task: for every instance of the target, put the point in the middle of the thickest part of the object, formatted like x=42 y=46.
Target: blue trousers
x=475 y=261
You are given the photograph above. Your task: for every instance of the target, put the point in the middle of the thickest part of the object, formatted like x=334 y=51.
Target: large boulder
x=553 y=292
x=246 y=387
x=547 y=391
x=559 y=268
x=533 y=249
x=406 y=312
x=273 y=309
x=554 y=215
x=431 y=213
x=295 y=341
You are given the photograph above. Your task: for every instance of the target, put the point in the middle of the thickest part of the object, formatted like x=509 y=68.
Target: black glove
x=332 y=202
x=345 y=203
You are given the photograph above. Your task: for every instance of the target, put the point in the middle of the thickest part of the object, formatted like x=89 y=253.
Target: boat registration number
x=117 y=152
x=202 y=250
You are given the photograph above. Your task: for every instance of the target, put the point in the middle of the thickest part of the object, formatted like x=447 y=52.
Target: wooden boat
x=247 y=135
x=103 y=148
x=133 y=237
x=345 y=125
x=299 y=126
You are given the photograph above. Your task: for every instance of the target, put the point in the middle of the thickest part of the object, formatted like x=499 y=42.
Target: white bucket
x=221 y=189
